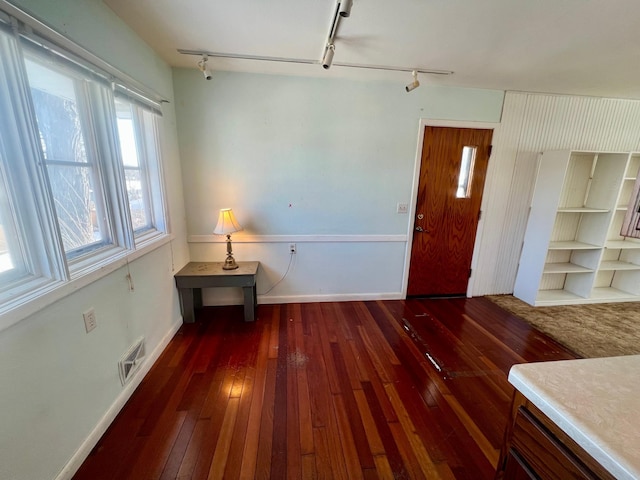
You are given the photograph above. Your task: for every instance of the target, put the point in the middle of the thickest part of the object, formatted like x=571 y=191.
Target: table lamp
x=227 y=224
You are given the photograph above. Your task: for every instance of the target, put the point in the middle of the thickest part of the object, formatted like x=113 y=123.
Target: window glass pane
x=127 y=135
x=57 y=113
x=7 y=262
x=75 y=206
x=5 y=255
x=134 y=167
x=466 y=171
x=72 y=176
x=139 y=217
x=13 y=258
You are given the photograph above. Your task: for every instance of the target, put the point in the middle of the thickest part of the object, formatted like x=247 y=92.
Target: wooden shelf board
x=566 y=268
x=558 y=297
x=617 y=265
x=572 y=245
x=610 y=294
x=598 y=295
x=582 y=210
x=621 y=245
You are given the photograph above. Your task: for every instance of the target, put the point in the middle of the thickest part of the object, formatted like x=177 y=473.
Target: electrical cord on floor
x=291 y=255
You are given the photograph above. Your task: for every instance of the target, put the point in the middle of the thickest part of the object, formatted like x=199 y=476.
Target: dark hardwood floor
x=386 y=389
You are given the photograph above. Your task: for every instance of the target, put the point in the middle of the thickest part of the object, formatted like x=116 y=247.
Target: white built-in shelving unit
x=573 y=252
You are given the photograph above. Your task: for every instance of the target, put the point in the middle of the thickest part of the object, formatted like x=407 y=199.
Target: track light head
x=345 y=8
x=415 y=84
x=412 y=86
x=328 y=56
x=202 y=66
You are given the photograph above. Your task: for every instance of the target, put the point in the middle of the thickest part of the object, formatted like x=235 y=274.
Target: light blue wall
x=58 y=382
x=340 y=152
x=309 y=156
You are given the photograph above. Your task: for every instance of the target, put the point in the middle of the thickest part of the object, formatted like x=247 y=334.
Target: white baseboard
x=345 y=297
x=342 y=297
x=85 y=448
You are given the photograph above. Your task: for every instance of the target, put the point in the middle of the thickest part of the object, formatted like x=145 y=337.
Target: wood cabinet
x=573 y=251
x=535 y=448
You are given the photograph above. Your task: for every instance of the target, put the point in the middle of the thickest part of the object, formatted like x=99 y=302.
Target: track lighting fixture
x=345 y=8
x=328 y=56
x=310 y=61
x=342 y=10
x=415 y=84
x=202 y=66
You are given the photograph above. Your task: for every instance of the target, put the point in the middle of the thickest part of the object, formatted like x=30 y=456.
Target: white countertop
x=595 y=401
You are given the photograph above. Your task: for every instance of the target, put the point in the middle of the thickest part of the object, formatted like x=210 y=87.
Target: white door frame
x=424 y=122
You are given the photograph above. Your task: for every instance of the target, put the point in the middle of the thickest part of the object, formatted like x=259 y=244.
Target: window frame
x=92 y=162
x=146 y=137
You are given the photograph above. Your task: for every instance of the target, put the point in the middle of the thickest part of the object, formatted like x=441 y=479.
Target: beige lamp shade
x=227 y=223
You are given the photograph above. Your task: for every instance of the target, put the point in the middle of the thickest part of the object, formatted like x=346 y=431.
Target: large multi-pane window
x=59 y=99
x=80 y=170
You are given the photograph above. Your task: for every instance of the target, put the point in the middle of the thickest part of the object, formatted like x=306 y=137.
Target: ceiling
x=586 y=47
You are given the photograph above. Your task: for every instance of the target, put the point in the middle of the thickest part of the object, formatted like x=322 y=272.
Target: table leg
x=250 y=301
x=197 y=298
x=255 y=298
x=186 y=304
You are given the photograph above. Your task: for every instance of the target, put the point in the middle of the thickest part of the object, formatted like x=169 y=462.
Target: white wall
x=318 y=162
x=59 y=383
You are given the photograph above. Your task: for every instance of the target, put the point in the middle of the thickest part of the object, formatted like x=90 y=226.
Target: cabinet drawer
x=542 y=451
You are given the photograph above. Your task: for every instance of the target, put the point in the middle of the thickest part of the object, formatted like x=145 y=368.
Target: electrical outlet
x=89 y=319
x=402 y=207
x=292 y=248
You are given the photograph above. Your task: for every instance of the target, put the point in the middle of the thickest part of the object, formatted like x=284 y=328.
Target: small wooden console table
x=198 y=275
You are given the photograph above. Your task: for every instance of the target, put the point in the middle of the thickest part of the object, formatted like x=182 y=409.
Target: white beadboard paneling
x=497 y=192
x=532 y=123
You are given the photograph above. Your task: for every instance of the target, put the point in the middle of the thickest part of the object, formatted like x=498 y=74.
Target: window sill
x=41 y=297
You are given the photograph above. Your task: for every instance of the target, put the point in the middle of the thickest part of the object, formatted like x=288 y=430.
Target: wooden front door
x=447 y=209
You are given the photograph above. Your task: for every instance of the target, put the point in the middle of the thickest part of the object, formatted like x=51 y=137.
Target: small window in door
x=466 y=172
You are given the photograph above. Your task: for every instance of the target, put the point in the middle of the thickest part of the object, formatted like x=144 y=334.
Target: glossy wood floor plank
x=382 y=389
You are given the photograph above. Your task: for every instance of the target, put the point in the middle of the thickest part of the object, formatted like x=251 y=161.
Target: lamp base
x=230 y=264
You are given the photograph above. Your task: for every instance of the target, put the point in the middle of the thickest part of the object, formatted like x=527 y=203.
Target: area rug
x=594 y=330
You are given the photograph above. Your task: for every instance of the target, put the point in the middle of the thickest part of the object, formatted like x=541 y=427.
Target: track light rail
x=304 y=61
x=242 y=56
